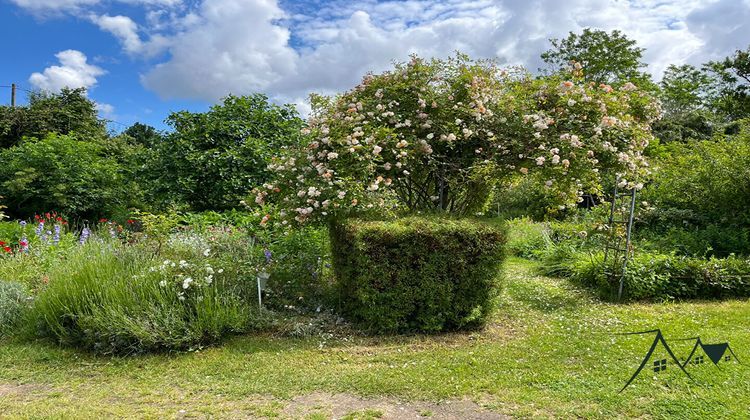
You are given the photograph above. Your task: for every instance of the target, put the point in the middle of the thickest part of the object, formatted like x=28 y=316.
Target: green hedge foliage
x=654 y=276
x=417 y=274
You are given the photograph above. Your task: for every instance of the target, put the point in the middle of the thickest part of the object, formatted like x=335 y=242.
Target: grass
x=548 y=352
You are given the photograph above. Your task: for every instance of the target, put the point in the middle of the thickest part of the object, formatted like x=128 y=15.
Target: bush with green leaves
x=296 y=260
x=61 y=172
x=212 y=158
x=300 y=270
x=701 y=195
x=417 y=274
x=526 y=238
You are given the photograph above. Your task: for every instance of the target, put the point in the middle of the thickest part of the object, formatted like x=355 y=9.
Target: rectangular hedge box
x=417 y=274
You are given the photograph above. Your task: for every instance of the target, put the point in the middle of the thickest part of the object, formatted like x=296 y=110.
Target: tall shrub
x=436 y=135
x=417 y=274
x=710 y=202
x=212 y=158
x=61 y=172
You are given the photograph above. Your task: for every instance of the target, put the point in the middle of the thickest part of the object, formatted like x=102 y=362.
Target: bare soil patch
x=346 y=405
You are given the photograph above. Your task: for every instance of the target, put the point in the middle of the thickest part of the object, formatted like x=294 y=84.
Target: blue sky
x=141 y=59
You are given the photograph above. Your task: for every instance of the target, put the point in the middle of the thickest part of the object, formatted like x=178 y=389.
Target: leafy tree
x=684 y=89
x=732 y=96
x=609 y=58
x=144 y=135
x=65 y=112
x=685 y=94
x=437 y=135
x=59 y=172
x=212 y=158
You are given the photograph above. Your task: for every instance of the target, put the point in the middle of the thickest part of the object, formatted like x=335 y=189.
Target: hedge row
x=659 y=276
x=417 y=274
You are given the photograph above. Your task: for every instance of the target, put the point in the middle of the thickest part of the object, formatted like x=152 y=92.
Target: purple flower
x=267 y=253
x=56 y=238
x=22 y=223
x=40 y=229
x=85 y=233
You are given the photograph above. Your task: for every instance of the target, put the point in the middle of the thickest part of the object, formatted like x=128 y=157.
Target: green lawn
x=549 y=352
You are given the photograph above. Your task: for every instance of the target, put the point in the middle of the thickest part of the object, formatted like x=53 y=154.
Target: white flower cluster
x=185 y=275
x=371 y=141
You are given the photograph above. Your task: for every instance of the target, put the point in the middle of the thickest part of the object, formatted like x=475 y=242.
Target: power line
x=106 y=120
x=18 y=87
x=15 y=86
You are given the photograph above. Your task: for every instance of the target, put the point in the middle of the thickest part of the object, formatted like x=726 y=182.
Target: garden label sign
x=715 y=352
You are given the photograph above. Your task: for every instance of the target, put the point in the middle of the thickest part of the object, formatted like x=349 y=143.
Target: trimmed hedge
x=416 y=273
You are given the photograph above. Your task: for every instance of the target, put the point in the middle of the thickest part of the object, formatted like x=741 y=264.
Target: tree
x=63 y=113
x=212 y=158
x=732 y=96
x=609 y=58
x=684 y=89
x=437 y=135
x=144 y=135
x=59 y=172
x=685 y=94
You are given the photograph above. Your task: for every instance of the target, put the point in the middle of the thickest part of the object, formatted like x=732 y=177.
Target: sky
x=142 y=59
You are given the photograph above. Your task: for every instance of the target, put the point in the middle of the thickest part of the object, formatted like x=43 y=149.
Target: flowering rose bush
x=437 y=135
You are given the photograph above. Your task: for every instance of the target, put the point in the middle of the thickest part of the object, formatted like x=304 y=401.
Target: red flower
x=102 y=220
x=7 y=249
x=23 y=243
x=131 y=221
x=2 y=243
x=59 y=219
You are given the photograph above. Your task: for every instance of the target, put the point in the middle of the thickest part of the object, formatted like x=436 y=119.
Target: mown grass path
x=549 y=352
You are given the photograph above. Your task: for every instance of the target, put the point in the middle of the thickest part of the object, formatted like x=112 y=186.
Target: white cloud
x=236 y=47
x=105 y=110
x=46 y=7
x=73 y=72
x=52 y=6
x=122 y=27
x=724 y=26
x=246 y=47
x=217 y=47
x=126 y=31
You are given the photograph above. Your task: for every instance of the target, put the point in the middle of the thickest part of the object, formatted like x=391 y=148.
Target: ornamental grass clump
x=119 y=299
x=417 y=274
x=14 y=300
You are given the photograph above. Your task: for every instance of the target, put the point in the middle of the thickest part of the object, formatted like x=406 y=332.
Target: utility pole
x=13 y=94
